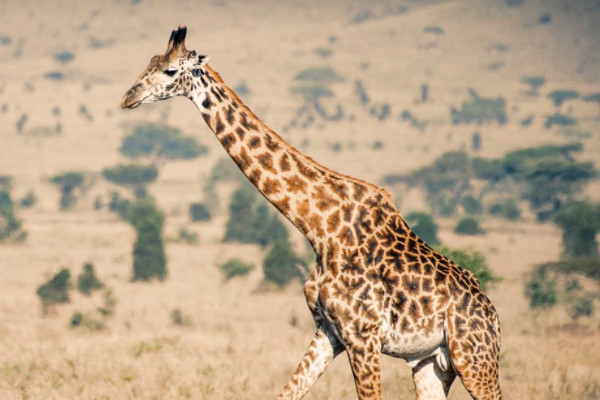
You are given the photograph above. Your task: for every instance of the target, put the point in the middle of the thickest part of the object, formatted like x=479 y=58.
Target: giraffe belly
x=416 y=346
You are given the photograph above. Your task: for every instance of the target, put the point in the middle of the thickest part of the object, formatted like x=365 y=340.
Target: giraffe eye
x=170 y=72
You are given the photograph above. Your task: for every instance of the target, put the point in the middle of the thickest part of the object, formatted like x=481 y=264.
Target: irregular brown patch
x=242 y=159
x=272 y=143
x=266 y=160
x=346 y=236
x=283 y=205
x=228 y=140
x=271 y=186
x=284 y=163
x=316 y=223
x=254 y=176
x=295 y=184
x=333 y=222
x=254 y=142
x=347 y=211
x=323 y=198
x=219 y=125
x=304 y=169
x=240 y=132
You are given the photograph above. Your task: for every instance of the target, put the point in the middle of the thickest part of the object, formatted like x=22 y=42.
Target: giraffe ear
x=177 y=39
x=201 y=60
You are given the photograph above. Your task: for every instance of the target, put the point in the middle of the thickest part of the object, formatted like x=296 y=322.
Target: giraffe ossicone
x=376 y=287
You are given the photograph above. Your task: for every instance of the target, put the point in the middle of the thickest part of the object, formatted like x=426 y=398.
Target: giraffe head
x=167 y=75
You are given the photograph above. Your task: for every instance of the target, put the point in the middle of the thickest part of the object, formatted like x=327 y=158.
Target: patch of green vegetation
x=323 y=52
x=424 y=226
x=251 y=221
x=535 y=83
x=558 y=97
x=10 y=225
x=199 y=212
x=468 y=226
x=580 y=223
x=64 y=57
x=435 y=29
x=186 y=236
x=281 y=265
x=507 y=209
x=149 y=258
x=319 y=75
x=160 y=142
x=55 y=290
x=235 y=267
x=133 y=176
x=88 y=282
x=480 y=110
x=560 y=120
x=179 y=318
x=71 y=185
x=473 y=261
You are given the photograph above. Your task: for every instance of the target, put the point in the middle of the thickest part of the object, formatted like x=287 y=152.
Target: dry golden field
x=243 y=343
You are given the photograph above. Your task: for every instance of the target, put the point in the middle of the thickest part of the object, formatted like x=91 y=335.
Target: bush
x=280 y=265
x=160 y=142
x=235 y=267
x=199 y=212
x=559 y=119
x=319 y=75
x=251 y=222
x=132 y=176
x=507 y=209
x=55 y=290
x=535 y=82
x=473 y=261
x=468 y=226
x=580 y=223
x=187 y=236
x=28 y=200
x=69 y=183
x=560 y=96
x=541 y=289
x=87 y=320
x=480 y=110
x=87 y=282
x=64 y=57
x=149 y=259
x=423 y=225
x=10 y=226
x=180 y=319
x=471 y=205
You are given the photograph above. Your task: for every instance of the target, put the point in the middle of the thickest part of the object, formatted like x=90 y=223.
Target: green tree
x=541 y=289
x=580 y=224
x=281 y=264
x=55 y=290
x=160 y=142
x=534 y=82
x=475 y=262
x=149 y=258
x=10 y=226
x=558 y=97
x=480 y=110
x=235 y=267
x=87 y=282
x=593 y=98
x=133 y=176
x=199 y=212
x=424 y=226
x=468 y=226
x=70 y=184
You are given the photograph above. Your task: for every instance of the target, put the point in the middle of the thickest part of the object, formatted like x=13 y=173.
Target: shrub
x=319 y=75
x=160 y=142
x=28 y=200
x=187 y=236
x=559 y=119
x=473 y=261
x=312 y=93
x=280 y=263
x=580 y=223
x=87 y=320
x=468 y=226
x=69 y=183
x=480 y=110
x=110 y=303
x=180 y=319
x=10 y=226
x=87 y=282
x=507 y=209
x=132 y=176
x=471 y=205
x=433 y=29
x=423 y=225
x=235 y=267
x=558 y=97
x=64 y=57
x=541 y=289
x=55 y=290
x=535 y=82
x=250 y=222
x=149 y=259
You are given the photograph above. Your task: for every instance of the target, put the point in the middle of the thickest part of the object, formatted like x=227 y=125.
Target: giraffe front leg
x=320 y=353
x=364 y=359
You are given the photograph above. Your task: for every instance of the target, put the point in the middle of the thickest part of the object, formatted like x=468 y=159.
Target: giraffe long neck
x=312 y=197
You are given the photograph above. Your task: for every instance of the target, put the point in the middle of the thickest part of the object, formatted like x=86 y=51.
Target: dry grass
x=241 y=343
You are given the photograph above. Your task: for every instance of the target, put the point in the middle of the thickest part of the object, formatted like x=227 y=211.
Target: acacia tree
x=149 y=258
x=580 y=223
x=159 y=142
x=71 y=186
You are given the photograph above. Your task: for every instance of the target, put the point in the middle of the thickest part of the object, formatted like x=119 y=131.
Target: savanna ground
x=241 y=342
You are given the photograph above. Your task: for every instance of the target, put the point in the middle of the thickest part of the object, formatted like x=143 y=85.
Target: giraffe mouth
x=128 y=103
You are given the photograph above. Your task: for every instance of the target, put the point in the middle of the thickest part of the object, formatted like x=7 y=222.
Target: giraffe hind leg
x=474 y=346
x=431 y=382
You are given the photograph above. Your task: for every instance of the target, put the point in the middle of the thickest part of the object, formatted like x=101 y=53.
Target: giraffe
x=376 y=288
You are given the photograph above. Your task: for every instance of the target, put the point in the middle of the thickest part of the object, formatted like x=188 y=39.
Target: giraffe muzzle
x=131 y=98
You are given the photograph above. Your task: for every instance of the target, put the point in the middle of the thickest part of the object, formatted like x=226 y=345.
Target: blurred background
x=137 y=262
